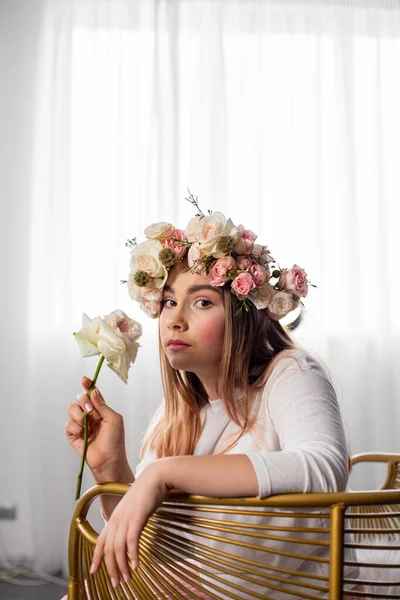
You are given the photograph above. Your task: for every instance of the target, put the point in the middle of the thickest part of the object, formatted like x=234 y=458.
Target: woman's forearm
x=225 y=475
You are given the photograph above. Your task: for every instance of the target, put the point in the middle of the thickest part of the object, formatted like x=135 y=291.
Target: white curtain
x=283 y=115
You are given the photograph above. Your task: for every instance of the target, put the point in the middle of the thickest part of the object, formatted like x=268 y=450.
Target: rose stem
x=86 y=431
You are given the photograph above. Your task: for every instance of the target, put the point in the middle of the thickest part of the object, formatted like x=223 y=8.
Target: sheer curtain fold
x=281 y=114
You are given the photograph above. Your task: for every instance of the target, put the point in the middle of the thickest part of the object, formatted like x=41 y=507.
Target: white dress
x=298 y=445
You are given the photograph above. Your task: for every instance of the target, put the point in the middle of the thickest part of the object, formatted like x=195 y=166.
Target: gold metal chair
x=191 y=546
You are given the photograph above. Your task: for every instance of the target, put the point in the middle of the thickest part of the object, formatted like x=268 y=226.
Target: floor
x=47 y=591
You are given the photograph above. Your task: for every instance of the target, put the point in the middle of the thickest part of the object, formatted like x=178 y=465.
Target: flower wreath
x=226 y=254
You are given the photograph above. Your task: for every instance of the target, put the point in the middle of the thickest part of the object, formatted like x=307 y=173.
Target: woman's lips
x=177 y=346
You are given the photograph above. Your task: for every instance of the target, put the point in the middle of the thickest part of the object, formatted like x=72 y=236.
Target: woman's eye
x=164 y=302
x=208 y=303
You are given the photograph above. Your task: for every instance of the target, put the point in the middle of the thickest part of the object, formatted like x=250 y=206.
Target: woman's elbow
x=327 y=473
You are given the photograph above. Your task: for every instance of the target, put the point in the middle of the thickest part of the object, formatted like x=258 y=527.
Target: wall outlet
x=8 y=513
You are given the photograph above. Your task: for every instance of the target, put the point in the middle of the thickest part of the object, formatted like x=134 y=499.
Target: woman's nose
x=177 y=319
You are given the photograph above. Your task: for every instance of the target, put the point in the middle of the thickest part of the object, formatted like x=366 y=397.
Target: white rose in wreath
x=159 y=231
x=144 y=257
x=192 y=229
x=211 y=229
x=281 y=304
x=261 y=297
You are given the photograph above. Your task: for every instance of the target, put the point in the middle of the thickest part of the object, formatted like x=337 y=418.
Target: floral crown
x=224 y=253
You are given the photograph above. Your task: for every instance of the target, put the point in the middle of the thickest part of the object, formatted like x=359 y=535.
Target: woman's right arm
x=106 y=453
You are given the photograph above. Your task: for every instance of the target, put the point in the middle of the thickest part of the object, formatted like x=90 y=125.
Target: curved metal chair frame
x=189 y=526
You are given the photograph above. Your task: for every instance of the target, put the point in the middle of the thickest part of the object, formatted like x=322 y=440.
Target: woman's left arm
x=229 y=475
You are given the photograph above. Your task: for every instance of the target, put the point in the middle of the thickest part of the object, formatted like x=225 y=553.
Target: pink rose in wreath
x=243 y=284
x=173 y=242
x=218 y=274
x=259 y=273
x=294 y=280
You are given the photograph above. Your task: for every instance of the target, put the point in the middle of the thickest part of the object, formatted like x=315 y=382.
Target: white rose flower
x=151 y=308
x=261 y=297
x=192 y=229
x=153 y=292
x=159 y=231
x=149 y=296
x=114 y=337
x=150 y=291
x=194 y=255
x=282 y=303
x=144 y=257
x=117 y=343
x=135 y=291
x=211 y=229
x=88 y=336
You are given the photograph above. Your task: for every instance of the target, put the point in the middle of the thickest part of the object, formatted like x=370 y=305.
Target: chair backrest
x=301 y=546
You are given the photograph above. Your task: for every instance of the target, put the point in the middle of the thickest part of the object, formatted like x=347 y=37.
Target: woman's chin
x=179 y=362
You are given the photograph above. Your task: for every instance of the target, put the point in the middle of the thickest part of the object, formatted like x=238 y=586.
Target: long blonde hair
x=251 y=343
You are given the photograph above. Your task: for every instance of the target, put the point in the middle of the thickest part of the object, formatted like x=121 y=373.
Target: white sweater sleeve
x=304 y=411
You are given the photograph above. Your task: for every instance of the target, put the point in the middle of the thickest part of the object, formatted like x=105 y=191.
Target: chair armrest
x=392 y=480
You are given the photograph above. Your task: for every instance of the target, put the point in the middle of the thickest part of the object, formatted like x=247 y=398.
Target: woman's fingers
x=111 y=563
x=119 y=540
x=84 y=402
x=120 y=548
x=132 y=541
x=86 y=383
x=112 y=544
x=99 y=551
x=98 y=401
x=73 y=429
x=105 y=547
x=75 y=413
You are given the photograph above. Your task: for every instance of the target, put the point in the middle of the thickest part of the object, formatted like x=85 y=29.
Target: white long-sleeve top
x=298 y=444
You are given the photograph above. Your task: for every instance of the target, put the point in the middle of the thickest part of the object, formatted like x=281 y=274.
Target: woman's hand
x=122 y=532
x=106 y=453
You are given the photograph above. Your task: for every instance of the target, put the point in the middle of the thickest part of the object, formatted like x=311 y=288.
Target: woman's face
x=192 y=312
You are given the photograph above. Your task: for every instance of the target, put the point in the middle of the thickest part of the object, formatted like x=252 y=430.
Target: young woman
x=245 y=411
